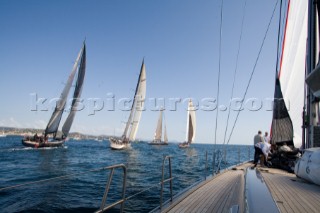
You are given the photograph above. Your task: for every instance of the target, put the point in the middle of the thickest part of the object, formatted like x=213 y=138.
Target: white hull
x=184 y=145
x=308 y=167
x=118 y=144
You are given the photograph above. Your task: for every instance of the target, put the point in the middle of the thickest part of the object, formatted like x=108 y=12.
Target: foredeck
x=219 y=194
x=292 y=194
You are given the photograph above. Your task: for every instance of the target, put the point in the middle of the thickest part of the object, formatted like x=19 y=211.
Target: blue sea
x=28 y=170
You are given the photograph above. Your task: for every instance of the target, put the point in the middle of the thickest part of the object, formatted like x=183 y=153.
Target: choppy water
x=84 y=192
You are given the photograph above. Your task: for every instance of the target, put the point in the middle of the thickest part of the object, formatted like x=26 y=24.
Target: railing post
x=239 y=154
x=103 y=202
x=170 y=170
x=105 y=195
x=162 y=179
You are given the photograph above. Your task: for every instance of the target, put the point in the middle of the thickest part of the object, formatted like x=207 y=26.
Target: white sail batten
x=77 y=93
x=292 y=65
x=54 y=121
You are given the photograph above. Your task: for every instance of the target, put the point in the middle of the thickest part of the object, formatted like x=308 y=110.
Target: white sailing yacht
x=3 y=135
x=158 y=133
x=132 y=124
x=36 y=141
x=191 y=126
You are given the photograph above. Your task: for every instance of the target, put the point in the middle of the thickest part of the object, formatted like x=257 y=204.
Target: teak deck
x=216 y=195
x=290 y=193
x=227 y=190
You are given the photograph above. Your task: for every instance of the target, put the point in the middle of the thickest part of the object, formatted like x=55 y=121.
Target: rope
x=253 y=71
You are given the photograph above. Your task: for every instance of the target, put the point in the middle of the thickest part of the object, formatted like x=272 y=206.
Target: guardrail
x=105 y=195
x=164 y=181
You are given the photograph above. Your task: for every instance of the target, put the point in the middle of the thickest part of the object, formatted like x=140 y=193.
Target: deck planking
x=216 y=195
x=291 y=193
x=219 y=194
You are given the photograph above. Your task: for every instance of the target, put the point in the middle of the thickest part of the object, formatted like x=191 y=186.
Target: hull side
x=184 y=145
x=157 y=143
x=117 y=144
x=35 y=144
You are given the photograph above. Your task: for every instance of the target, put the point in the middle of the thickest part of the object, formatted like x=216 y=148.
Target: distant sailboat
x=3 y=135
x=132 y=125
x=191 y=126
x=53 y=125
x=158 y=133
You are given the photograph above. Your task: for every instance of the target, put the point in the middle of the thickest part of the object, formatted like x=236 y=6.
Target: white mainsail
x=158 y=133
x=137 y=106
x=55 y=119
x=191 y=123
x=292 y=64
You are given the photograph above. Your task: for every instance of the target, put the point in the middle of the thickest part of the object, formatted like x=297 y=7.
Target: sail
x=292 y=64
x=282 y=129
x=165 y=137
x=54 y=121
x=77 y=93
x=158 y=133
x=191 y=123
x=137 y=106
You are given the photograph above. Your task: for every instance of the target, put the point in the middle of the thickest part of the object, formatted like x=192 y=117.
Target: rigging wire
x=235 y=72
x=253 y=71
x=278 y=44
x=218 y=90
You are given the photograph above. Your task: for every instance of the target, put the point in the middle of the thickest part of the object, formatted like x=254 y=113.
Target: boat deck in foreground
x=291 y=194
x=219 y=194
x=226 y=191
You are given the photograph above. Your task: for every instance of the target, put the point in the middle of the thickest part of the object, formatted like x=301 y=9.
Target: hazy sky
x=179 y=41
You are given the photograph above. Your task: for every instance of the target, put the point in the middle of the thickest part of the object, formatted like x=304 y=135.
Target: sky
x=179 y=42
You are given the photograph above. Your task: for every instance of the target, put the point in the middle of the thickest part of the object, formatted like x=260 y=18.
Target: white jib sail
x=165 y=137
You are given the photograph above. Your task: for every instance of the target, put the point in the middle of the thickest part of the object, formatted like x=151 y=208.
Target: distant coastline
x=31 y=131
